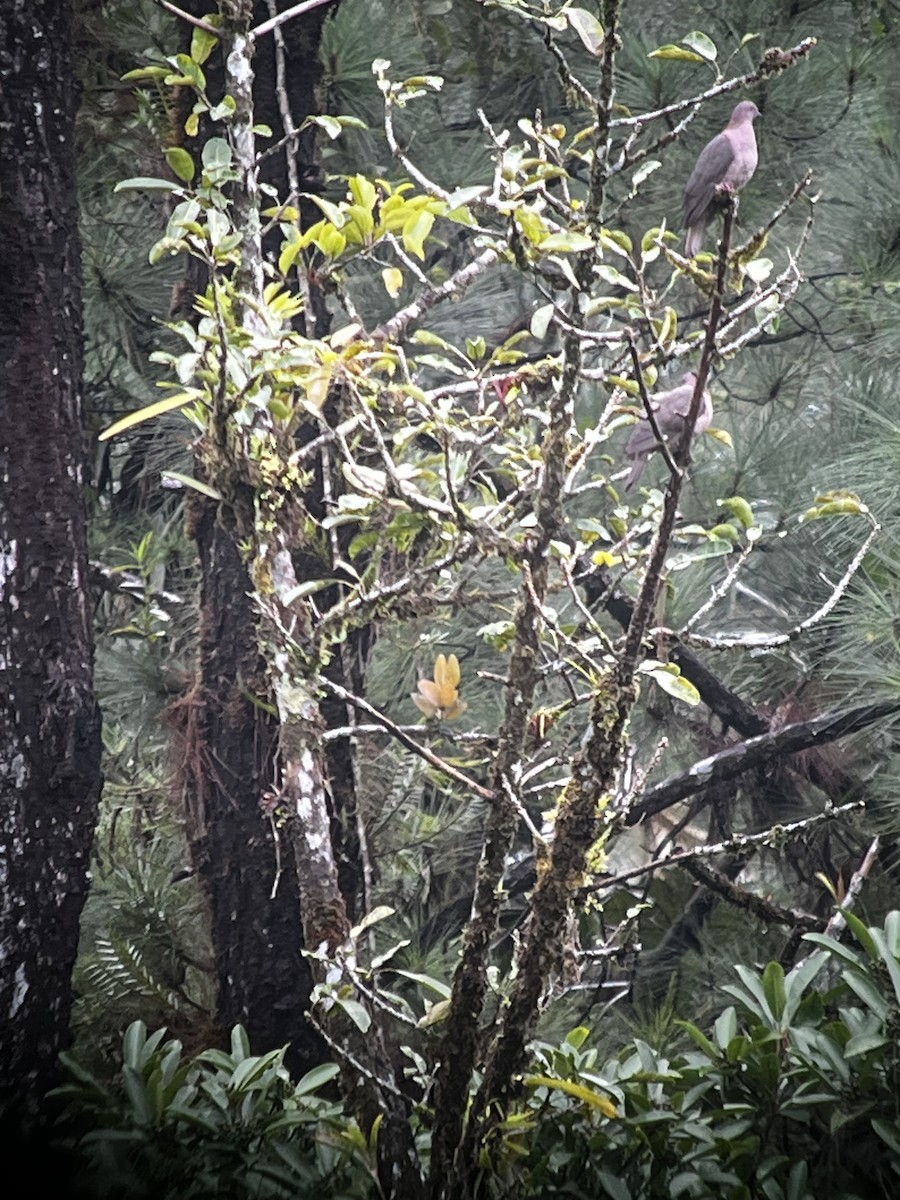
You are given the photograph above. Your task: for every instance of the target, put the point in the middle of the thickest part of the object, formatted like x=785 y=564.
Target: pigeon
x=726 y=163
x=670 y=409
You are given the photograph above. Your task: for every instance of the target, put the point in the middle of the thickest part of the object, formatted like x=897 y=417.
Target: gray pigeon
x=670 y=410
x=727 y=163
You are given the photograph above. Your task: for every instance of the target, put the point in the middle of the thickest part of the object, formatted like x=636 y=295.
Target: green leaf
x=676 y=52
x=145 y=183
x=188 y=481
x=587 y=27
x=240 y=1043
x=226 y=108
x=357 y=1014
x=615 y=277
x=868 y=993
x=314 y=1079
x=889 y=1132
x=862 y=933
x=145 y=73
x=138 y=1096
x=701 y=44
x=893 y=967
x=799 y=980
x=415 y=231
x=466 y=195
x=578 y=1036
x=566 y=243
x=428 y=982
x=773 y=987
x=644 y=170
x=725 y=1027
x=216 y=154
x=758 y=270
x=675 y=685
x=711 y=549
x=379 y=960
x=865 y=1043
x=331 y=211
x=380 y=913
x=202 y=42
x=133 y=1043
x=330 y=124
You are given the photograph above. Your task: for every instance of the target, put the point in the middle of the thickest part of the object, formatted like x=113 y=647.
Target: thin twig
x=739 y=842
x=458 y=282
x=721 y=589
x=197 y=22
x=839 y=920
x=410 y=743
x=766 y=67
x=771 y=641
x=663 y=445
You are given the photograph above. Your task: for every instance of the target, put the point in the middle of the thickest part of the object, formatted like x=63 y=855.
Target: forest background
x=459 y=389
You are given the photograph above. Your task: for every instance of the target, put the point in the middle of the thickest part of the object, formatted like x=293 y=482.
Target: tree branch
x=289 y=13
x=766 y=910
x=757 y=751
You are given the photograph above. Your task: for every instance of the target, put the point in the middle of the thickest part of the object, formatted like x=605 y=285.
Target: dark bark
x=49 y=720
x=262 y=981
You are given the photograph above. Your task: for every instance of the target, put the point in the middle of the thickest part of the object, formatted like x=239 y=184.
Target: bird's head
x=745 y=111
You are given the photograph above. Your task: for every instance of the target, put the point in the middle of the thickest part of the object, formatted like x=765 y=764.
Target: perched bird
x=726 y=163
x=670 y=410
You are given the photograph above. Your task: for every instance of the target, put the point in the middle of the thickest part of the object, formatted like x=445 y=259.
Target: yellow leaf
x=146 y=414
x=343 y=337
x=437 y=1012
x=317 y=382
x=393 y=281
x=578 y=1090
x=446 y=670
x=721 y=435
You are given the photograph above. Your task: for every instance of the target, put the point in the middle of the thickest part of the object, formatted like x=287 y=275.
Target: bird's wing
x=712 y=165
x=642 y=439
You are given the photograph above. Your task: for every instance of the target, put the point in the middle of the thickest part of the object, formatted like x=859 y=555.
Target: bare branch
x=741 y=841
x=754 y=752
x=770 y=641
x=289 y=13
x=773 y=62
x=738 y=897
x=457 y=283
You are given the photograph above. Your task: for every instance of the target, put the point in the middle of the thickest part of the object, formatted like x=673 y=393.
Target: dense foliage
x=392 y=663
x=789 y=1094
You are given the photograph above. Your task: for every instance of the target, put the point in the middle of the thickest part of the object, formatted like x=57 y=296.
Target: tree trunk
x=262 y=981
x=49 y=720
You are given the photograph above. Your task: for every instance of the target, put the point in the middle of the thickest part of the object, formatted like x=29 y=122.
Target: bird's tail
x=693 y=240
